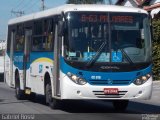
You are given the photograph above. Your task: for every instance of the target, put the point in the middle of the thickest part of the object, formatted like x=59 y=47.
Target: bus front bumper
x=70 y=90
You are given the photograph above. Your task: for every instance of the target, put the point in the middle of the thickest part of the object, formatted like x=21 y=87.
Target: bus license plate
x=110 y=90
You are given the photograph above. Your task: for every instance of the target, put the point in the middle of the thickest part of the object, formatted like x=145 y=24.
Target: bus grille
x=101 y=94
x=110 y=82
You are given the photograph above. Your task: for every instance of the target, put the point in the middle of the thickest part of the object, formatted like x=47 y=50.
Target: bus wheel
x=53 y=103
x=120 y=105
x=32 y=96
x=19 y=93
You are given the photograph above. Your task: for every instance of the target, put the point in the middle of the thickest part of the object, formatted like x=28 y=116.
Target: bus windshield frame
x=107 y=37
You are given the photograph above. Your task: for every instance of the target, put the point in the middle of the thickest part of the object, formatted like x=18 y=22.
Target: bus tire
x=19 y=93
x=120 y=105
x=53 y=103
x=32 y=96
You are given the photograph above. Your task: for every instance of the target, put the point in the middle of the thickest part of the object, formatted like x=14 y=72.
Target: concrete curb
x=156 y=82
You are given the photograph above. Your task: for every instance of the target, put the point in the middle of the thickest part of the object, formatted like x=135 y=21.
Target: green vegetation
x=156 y=48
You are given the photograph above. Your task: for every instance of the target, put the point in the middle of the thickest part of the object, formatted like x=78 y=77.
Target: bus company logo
x=110 y=67
x=110 y=82
x=18 y=58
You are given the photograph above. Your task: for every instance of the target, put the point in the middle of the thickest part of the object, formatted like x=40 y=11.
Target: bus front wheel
x=53 y=103
x=120 y=105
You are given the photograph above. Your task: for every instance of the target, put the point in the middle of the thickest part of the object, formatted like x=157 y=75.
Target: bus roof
x=73 y=7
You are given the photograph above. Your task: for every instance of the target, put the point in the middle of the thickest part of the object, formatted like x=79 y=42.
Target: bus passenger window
x=36 y=45
x=19 y=38
x=48 y=34
x=48 y=42
x=19 y=43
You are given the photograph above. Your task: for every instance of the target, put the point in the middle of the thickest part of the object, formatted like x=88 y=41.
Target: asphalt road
x=77 y=110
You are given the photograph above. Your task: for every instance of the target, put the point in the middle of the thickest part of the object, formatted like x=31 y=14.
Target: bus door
x=28 y=36
x=13 y=35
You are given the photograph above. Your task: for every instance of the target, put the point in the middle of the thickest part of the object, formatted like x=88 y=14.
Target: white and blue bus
x=81 y=52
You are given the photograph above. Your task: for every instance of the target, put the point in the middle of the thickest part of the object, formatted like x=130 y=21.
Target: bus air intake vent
x=110 y=82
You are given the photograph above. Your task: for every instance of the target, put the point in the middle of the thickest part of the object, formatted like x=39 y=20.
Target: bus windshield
x=107 y=37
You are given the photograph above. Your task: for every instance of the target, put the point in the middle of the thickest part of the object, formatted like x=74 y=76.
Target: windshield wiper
x=126 y=56
x=96 y=56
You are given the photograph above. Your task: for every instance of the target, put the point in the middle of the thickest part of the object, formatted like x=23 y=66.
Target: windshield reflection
x=108 y=37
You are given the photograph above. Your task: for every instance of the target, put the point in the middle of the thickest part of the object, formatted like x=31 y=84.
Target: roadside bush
x=156 y=48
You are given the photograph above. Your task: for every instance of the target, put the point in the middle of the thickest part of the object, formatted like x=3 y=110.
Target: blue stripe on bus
x=91 y=77
x=18 y=58
x=37 y=55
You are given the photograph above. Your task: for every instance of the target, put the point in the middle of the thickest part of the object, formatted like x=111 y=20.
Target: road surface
x=77 y=110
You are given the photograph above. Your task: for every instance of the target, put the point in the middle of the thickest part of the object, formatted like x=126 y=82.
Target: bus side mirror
x=61 y=28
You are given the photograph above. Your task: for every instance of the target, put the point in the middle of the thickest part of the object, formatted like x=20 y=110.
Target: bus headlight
x=76 y=79
x=141 y=80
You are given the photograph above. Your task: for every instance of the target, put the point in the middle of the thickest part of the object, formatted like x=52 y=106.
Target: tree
x=156 y=48
x=85 y=1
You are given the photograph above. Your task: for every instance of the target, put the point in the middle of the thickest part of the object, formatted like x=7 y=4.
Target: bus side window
x=36 y=46
x=19 y=43
x=19 y=38
x=48 y=34
x=37 y=42
x=43 y=37
x=48 y=41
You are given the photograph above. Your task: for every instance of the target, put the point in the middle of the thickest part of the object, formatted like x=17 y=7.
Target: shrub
x=156 y=48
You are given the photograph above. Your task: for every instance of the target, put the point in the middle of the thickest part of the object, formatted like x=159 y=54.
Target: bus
x=81 y=52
